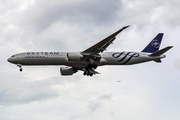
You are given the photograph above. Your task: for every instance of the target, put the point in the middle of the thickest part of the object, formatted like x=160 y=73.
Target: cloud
x=20 y=90
x=177 y=63
x=43 y=14
x=75 y=25
x=98 y=102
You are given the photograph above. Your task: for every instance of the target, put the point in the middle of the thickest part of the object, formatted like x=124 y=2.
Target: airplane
x=93 y=57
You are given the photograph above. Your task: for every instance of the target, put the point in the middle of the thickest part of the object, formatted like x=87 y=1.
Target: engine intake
x=67 y=71
x=74 y=56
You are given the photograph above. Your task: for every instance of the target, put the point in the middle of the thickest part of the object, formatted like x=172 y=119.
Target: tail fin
x=154 y=45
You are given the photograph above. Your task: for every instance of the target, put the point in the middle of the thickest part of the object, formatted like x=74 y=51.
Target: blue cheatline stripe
x=119 y=54
x=126 y=55
x=134 y=55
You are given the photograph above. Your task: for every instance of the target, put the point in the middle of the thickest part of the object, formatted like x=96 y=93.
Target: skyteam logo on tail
x=155 y=43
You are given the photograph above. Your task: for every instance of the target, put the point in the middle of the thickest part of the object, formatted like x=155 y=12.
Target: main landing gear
x=88 y=73
x=20 y=67
x=89 y=70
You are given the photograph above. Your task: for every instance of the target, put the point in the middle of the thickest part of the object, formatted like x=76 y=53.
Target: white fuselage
x=61 y=58
x=94 y=56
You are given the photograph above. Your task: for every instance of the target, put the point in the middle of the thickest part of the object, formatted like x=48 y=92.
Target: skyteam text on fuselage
x=89 y=59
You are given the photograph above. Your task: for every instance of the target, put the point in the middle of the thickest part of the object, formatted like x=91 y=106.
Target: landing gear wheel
x=20 y=68
x=91 y=74
x=88 y=73
x=85 y=73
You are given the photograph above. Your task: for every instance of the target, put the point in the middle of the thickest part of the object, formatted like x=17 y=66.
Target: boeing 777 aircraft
x=89 y=59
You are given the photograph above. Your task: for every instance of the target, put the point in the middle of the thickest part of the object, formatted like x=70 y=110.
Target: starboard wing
x=103 y=44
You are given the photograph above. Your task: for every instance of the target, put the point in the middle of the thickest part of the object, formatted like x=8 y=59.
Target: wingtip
x=125 y=27
x=169 y=47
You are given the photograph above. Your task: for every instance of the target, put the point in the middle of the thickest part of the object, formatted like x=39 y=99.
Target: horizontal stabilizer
x=158 y=60
x=160 y=52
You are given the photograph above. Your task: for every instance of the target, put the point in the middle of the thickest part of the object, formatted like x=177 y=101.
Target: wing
x=92 y=54
x=103 y=44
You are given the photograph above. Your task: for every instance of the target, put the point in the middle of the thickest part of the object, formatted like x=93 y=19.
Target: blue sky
x=146 y=91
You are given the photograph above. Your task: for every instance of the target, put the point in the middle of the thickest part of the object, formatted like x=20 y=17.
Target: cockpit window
x=13 y=56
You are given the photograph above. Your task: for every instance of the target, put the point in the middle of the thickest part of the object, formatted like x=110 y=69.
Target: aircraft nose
x=9 y=60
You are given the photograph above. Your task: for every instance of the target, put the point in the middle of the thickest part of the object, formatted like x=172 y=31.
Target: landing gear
x=85 y=73
x=91 y=74
x=89 y=70
x=20 y=68
x=88 y=73
x=93 y=66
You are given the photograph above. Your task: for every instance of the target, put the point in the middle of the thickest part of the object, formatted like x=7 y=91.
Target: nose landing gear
x=20 y=68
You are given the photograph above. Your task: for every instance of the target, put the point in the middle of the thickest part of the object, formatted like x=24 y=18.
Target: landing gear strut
x=20 y=68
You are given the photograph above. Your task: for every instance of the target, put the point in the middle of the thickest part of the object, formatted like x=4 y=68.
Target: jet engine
x=67 y=71
x=74 y=56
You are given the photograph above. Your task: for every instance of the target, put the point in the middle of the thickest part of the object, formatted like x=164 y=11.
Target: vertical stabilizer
x=154 y=45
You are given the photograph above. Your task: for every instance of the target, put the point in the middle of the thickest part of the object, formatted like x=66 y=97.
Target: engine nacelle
x=67 y=71
x=74 y=56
